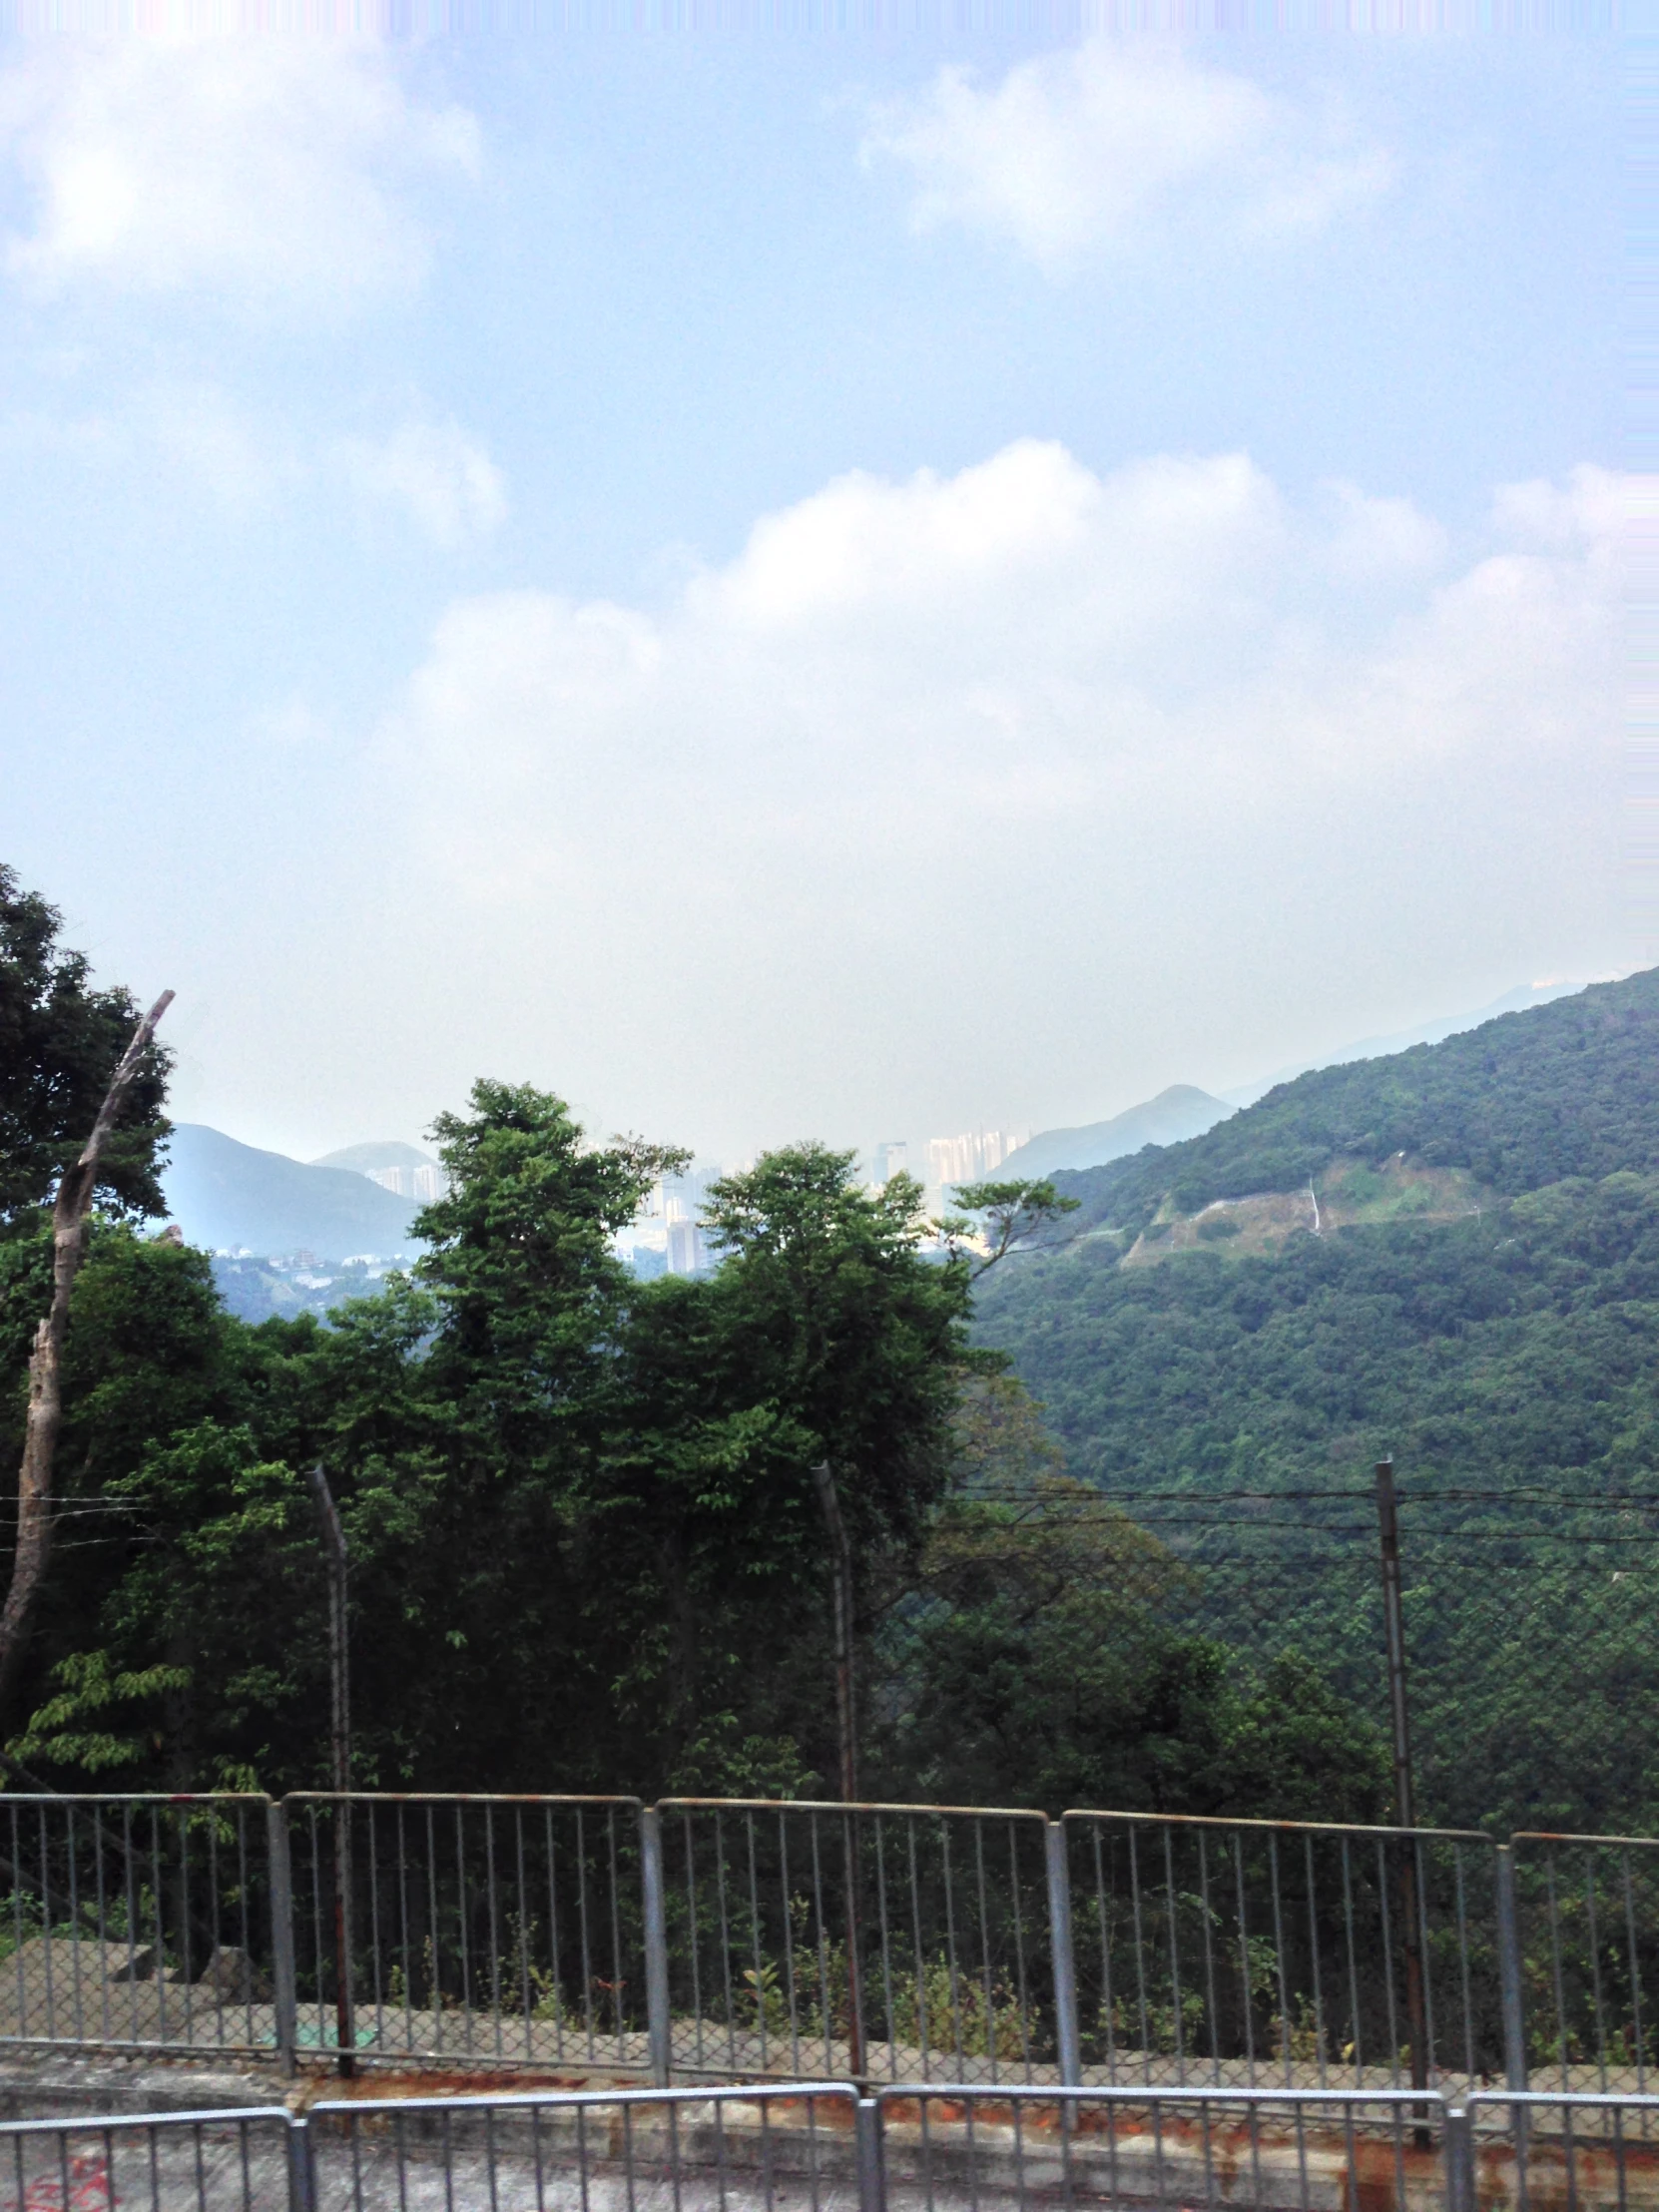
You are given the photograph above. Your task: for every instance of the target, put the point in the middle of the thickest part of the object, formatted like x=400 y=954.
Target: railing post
x=1509 y=1971
x=1068 y=2050
x=282 y=1987
x=660 y=2033
x=302 y=2169
x=1514 y=2004
x=873 y=2180
x=1459 y=2152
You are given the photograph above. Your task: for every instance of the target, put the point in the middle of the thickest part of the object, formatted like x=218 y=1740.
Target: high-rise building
x=969 y=1158
x=891 y=1160
x=425 y=1183
x=688 y=1250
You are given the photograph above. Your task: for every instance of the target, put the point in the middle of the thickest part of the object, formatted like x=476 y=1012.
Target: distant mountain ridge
x=1520 y=1000
x=1181 y=1111
x=1565 y=1089
x=231 y=1197
x=359 y=1158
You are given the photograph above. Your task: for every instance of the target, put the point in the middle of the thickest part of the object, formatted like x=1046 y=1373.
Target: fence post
x=873 y=2180
x=660 y=2034
x=282 y=1987
x=1067 y=2052
x=302 y=2169
x=1459 y=2152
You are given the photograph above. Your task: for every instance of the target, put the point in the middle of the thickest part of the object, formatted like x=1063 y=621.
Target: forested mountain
x=1481 y=1300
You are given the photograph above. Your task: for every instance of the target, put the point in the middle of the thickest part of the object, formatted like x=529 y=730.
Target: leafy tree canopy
x=60 y=1042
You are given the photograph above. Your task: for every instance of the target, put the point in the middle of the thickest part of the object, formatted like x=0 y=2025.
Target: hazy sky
x=786 y=582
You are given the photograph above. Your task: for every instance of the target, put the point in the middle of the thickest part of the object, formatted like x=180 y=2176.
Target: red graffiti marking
x=90 y=2189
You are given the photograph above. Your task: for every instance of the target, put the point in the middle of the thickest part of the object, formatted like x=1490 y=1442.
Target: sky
x=791 y=582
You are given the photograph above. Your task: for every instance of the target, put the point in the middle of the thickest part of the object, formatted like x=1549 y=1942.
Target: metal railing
x=1269 y=2149
x=887 y=1942
x=825 y=2148
x=883 y=1944
x=741 y=2151
x=232 y=2161
x=496 y=1929
x=137 y=1921
x=1587 y=1949
x=1239 y=1952
x=1542 y=2151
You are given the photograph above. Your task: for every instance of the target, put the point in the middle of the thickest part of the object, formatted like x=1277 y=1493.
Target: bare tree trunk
x=40 y=1440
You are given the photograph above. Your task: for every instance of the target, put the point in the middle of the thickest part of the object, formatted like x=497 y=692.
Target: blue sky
x=786 y=583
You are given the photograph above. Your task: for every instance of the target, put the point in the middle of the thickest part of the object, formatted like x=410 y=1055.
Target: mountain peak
x=358 y=1159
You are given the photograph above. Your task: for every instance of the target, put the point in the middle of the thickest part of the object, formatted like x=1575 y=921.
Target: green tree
x=60 y=1041
x=829 y=1309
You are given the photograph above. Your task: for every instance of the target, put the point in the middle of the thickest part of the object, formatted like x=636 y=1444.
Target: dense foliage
x=59 y=1042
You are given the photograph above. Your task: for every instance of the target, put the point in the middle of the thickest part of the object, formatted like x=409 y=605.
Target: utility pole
x=1394 y=1622
x=339 y=1733
x=846 y=1742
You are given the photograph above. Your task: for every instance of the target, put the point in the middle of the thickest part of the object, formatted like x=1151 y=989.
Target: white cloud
x=1592 y=504
x=1099 y=145
x=434 y=479
x=440 y=479
x=1379 y=538
x=931 y=766
x=262 y=168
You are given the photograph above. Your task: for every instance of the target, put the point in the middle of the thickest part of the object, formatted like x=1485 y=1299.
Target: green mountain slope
x=1237 y=1392
x=1565 y=1089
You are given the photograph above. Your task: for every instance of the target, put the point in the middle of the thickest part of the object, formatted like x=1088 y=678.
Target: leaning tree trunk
x=45 y=1418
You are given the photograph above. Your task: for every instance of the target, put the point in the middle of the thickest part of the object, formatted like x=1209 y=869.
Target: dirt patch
x=1350 y=1194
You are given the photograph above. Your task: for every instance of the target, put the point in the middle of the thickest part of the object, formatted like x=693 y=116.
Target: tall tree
x=844 y=1324
x=75 y=1185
